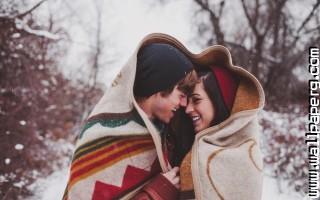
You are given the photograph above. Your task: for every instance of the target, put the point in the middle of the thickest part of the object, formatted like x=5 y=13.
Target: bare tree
x=98 y=4
x=38 y=105
x=278 y=44
x=272 y=44
x=259 y=30
x=214 y=19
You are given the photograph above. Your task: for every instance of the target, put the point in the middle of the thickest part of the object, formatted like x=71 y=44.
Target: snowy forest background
x=58 y=56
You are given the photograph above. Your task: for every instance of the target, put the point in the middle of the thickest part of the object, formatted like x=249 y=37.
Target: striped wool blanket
x=112 y=166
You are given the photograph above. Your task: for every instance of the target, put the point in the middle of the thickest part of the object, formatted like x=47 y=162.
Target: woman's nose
x=189 y=108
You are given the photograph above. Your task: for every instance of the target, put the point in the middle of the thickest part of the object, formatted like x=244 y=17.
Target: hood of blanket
x=119 y=97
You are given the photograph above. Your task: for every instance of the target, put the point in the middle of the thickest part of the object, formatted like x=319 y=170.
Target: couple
x=163 y=131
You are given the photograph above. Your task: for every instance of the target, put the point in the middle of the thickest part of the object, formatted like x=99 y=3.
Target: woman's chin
x=198 y=128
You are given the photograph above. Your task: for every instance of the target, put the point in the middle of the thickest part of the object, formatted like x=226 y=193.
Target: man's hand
x=173 y=176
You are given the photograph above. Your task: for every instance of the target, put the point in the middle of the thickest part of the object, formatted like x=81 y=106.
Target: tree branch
x=222 y=3
x=256 y=11
x=215 y=21
x=298 y=36
x=21 y=15
x=41 y=33
x=252 y=22
x=309 y=16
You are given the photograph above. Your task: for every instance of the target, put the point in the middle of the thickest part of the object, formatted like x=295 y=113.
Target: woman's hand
x=173 y=176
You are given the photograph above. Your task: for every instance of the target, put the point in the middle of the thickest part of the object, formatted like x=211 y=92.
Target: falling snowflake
x=7 y=161
x=22 y=122
x=40 y=67
x=18 y=146
x=45 y=83
x=19 y=46
x=16 y=35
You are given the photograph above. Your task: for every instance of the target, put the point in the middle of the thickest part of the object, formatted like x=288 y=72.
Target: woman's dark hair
x=181 y=129
x=212 y=88
x=182 y=135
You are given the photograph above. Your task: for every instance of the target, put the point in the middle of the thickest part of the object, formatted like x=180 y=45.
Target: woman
x=225 y=159
x=212 y=99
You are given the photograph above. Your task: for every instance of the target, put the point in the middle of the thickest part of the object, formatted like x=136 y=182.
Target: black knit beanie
x=159 y=67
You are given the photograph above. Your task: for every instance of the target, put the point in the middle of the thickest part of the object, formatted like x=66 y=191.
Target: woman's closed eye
x=195 y=99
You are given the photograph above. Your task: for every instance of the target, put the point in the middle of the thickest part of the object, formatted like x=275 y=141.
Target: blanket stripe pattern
x=93 y=174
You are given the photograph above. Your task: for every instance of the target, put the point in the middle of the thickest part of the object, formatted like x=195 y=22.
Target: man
x=164 y=77
x=120 y=153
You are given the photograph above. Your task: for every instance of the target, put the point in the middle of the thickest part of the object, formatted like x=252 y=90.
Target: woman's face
x=200 y=108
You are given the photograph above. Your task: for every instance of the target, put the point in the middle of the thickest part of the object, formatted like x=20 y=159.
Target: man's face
x=164 y=107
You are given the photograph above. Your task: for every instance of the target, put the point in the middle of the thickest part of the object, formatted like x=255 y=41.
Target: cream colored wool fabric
x=225 y=160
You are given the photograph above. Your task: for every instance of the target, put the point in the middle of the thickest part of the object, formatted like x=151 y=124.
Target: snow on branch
x=20 y=24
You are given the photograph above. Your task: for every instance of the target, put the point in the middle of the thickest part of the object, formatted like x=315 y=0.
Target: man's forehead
x=176 y=88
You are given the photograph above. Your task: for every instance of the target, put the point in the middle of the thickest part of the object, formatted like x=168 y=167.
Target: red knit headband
x=228 y=85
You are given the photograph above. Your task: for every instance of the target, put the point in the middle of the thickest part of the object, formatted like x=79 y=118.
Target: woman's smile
x=195 y=120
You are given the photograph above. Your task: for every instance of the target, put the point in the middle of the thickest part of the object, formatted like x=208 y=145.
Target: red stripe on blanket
x=105 y=161
x=111 y=147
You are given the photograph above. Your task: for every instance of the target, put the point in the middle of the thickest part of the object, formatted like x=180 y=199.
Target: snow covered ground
x=52 y=188
x=271 y=191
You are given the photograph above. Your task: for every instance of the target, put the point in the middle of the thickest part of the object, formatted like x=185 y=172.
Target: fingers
x=175 y=170
x=176 y=180
x=173 y=176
